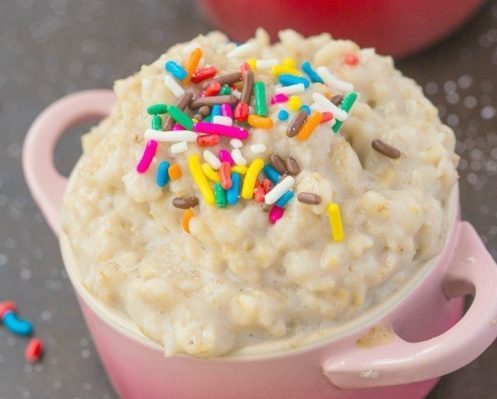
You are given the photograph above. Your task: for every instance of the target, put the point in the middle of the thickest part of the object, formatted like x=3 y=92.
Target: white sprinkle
x=180 y=147
x=237 y=156
x=172 y=85
x=237 y=94
x=327 y=105
x=236 y=143
x=242 y=51
x=281 y=188
x=332 y=81
x=170 y=136
x=297 y=88
x=258 y=148
x=212 y=160
x=266 y=64
x=222 y=120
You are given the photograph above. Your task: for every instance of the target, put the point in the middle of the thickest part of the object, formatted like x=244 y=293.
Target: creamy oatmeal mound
x=240 y=195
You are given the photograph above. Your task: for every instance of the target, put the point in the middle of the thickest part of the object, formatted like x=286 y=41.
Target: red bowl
x=395 y=27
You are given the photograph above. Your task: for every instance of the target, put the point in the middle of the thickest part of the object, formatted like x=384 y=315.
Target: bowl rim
x=376 y=313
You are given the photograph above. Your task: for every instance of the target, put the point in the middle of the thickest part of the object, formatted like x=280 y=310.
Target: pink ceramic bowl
x=429 y=338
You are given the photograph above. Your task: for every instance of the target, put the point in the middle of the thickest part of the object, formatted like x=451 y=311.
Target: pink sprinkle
x=279 y=98
x=226 y=110
x=177 y=126
x=147 y=157
x=34 y=350
x=275 y=214
x=225 y=156
x=221 y=130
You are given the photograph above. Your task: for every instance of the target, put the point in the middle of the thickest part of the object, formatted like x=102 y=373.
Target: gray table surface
x=49 y=48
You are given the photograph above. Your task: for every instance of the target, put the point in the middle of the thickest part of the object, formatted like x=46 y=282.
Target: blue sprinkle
x=283 y=115
x=216 y=110
x=176 y=70
x=16 y=325
x=162 y=174
x=272 y=174
x=309 y=71
x=284 y=199
x=288 y=80
x=234 y=191
x=306 y=109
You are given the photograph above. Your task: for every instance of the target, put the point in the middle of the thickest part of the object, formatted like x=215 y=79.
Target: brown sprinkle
x=185 y=203
x=385 y=149
x=265 y=207
x=204 y=110
x=248 y=87
x=181 y=104
x=277 y=163
x=309 y=198
x=296 y=124
x=227 y=79
x=292 y=166
x=337 y=100
x=203 y=101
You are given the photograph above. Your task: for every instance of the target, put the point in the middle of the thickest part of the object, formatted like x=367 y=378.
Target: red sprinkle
x=212 y=90
x=275 y=214
x=225 y=174
x=7 y=306
x=241 y=112
x=351 y=59
x=208 y=140
x=34 y=350
x=326 y=117
x=245 y=67
x=259 y=192
x=203 y=74
x=267 y=185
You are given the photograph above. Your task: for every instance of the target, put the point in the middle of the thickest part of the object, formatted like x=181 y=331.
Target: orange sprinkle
x=185 y=222
x=310 y=124
x=192 y=63
x=260 y=121
x=175 y=171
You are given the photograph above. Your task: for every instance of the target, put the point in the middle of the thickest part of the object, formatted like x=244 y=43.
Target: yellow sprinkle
x=210 y=173
x=289 y=62
x=200 y=179
x=335 y=222
x=239 y=169
x=260 y=121
x=294 y=103
x=310 y=124
x=250 y=178
x=192 y=63
x=281 y=69
x=252 y=63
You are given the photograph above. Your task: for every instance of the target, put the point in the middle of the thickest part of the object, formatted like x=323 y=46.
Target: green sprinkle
x=260 y=98
x=220 y=195
x=157 y=109
x=225 y=90
x=156 y=122
x=347 y=103
x=180 y=117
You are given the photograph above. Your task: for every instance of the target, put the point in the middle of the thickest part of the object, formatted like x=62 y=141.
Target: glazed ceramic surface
x=428 y=337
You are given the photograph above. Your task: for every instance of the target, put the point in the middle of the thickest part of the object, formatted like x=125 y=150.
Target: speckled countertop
x=49 y=48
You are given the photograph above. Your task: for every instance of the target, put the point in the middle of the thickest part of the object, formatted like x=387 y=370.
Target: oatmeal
x=311 y=190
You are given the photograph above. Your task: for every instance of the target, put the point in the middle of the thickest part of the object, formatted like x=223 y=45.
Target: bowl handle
x=472 y=269
x=46 y=184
